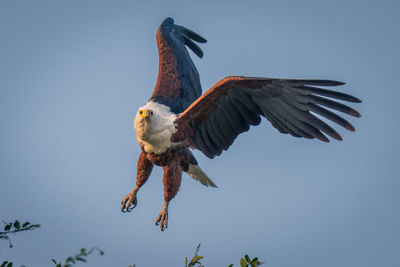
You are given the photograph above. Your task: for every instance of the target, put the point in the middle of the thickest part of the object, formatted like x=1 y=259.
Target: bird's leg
x=172 y=182
x=144 y=168
x=162 y=218
x=129 y=202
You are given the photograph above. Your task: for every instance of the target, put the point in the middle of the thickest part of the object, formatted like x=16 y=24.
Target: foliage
x=195 y=260
x=81 y=256
x=244 y=262
x=14 y=227
x=6 y=264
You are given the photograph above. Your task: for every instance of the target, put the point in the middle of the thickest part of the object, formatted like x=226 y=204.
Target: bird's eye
x=140 y=112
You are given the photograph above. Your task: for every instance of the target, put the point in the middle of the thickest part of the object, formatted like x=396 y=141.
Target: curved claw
x=162 y=220
x=129 y=202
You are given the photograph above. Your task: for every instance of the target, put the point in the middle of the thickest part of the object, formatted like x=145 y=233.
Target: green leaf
x=254 y=262
x=26 y=224
x=4 y=264
x=7 y=227
x=243 y=263
x=54 y=261
x=81 y=259
x=196 y=258
x=9 y=264
x=230 y=265
x=247 y=258
x=83 y=251
x=70 y=259
x=17 y=225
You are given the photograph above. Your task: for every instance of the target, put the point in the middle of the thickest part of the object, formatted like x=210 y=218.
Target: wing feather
x=213 y=134
x=178 y=82
x=212 y=147
x=201 y=144
x=295 y=128
x=332 y=104
x=276 y=120
x=225 y=129
x=249 y=116
x=328 y=93
x=232 y=105
x=331 y=116
x=193 y=46
x=193 y=35
x=298 y=124
x=308 y=118
x=237 y=122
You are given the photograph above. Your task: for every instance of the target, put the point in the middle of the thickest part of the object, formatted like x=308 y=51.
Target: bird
x=178 y=118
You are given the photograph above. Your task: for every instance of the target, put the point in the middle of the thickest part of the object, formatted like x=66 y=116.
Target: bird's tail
x=197 y=173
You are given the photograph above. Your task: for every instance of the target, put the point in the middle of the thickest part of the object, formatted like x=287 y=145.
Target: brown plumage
x=168 y=76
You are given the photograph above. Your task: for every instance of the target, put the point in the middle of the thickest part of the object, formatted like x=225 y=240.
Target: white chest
x=154 y=133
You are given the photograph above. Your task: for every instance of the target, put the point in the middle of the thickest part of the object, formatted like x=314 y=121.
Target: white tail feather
x=197 y=173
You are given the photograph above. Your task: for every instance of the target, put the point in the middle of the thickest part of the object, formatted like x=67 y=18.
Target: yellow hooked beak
x=145 y=113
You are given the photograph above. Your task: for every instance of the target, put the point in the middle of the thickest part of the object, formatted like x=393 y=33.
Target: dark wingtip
x=323 y=138
x=192 y=35
x=168 y=20
x=210 y=156
x=194 y=47
x=337 y=136
x=350 y=127
x=331 y=83
x=350 y=98
x=322 y=82
x=355 y=113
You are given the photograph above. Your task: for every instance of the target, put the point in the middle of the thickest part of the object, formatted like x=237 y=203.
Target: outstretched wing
x=178 y=83
x=212 y=123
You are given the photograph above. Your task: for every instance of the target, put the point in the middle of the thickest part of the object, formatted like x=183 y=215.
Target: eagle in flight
x=178 y=117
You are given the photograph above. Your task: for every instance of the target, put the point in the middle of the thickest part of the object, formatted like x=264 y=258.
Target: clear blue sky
x=73 y=73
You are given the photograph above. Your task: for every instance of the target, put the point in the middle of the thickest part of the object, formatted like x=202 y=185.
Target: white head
x=143 y=121
x=154 y=126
